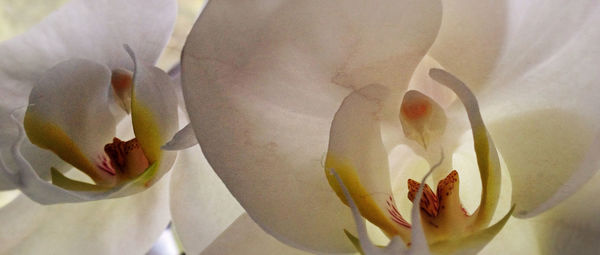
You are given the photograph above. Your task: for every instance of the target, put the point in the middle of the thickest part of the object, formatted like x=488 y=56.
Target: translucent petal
x=116 y=226
x=246 y=237
x=183 y=139
x=153 y=114
x=68 y=114
x=488 y=160
x=80 y=29
x=471 y=38
x=201 y=206
x=545 y=119
x=262 y=81
x=154 y=117
x=355 y=141
x=571 y=227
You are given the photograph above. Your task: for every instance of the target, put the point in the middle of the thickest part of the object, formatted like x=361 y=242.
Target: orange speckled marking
x=429 y=202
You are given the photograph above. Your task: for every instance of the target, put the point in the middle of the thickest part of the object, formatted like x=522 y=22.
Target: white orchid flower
x=66 y=85
x=279 y=90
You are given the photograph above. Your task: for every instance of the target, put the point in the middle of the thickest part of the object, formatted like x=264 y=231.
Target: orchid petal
x=471 y=38
x=201 y=206
x=255 y=73
x=79 y=29
x=246 y=237
x=537 y=31
x=124 y=225
x=575 y=182
x=357 y=154
x=487 y=157
x=154 y=108
x=571 y=227
x=183 y=139
x=544 y=118
x=69 y=115
x=153 y=114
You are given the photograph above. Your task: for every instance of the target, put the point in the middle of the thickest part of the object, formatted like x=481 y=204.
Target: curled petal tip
x=183 y=139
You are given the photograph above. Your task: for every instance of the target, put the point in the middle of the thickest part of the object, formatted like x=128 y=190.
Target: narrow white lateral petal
x=116 y=226
x=262 y=81
x=153 y=115
x=201 y=206
x=183 y=139
x=244 y=236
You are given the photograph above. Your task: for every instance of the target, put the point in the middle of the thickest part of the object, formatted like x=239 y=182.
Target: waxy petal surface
x=79 y=29
x=255 y=73
x=124 y=225
x=201 y=206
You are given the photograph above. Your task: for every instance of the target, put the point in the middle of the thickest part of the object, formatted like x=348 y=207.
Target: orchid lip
x=444 y=219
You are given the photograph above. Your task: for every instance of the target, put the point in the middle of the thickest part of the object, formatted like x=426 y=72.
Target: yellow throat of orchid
x=447 y=226
x=110 y=164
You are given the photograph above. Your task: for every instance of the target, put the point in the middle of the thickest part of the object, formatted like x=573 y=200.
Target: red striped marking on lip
x=105 y=165
x=396 y=216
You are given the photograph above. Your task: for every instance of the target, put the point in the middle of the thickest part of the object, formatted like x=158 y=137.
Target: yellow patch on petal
x=49 y=136
x=146 y=130
x=367 y=206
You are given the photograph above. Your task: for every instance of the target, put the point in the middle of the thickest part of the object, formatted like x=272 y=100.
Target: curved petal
x=262 y=80
x=356 y=152
x=246 y=237
x=153 y=115
x=154 y=118
x=69 y=114
x=94 y=30
x=517 y=237
x=471 y=38
x=201 y=206
x=572 y=227
x=545 y=120
x=183 y=139
x=536 y=31
x=125 y=225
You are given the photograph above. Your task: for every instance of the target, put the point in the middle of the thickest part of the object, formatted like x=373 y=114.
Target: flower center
x=125 y=157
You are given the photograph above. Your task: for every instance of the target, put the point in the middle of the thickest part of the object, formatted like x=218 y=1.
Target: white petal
x=471 y=38
x=572 y=227
x=93 y=30
x=536 y=31
x=246 y=237
x=201 y=206
x=262 y=81
x=183 y=139
x=117 y=226
x=544 y=122
x=355 y=139
x=70 y=134
x=69 y=114
x=517 y=237
x=153 y=114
